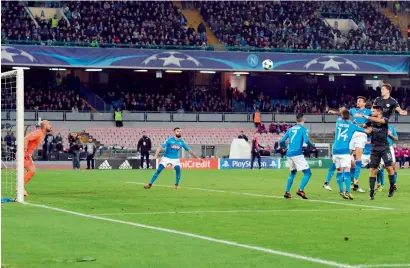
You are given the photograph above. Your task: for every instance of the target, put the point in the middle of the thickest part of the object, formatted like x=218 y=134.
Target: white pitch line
x=382 y=265
x=272 y=196
x=230 y=211
x=220 y=241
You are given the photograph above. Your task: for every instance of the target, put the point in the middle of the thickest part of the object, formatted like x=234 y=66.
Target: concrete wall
x=81 y=125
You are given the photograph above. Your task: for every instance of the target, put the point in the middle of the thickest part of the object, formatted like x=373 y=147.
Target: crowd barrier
x=175 y=117
x=211 y=163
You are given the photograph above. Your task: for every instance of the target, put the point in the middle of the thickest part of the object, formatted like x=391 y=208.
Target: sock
x=352 y=170
x=291 y=177
x=330 y=173
x=156 y=174
x=177 y=174
x=372 y=181
x=380 y=177
x=347 y=182
x=259 y=162
x=357 y=169
x=395 y=177
x=306 y=177
x=391 y=180
x=27 y=176
x=339 y=179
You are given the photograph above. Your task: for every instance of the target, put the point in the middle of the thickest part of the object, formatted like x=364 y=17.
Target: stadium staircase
x=194 y=18
x=402 y=20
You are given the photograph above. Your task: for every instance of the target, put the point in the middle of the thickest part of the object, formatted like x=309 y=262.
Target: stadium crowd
x=311 y=99
x=41 y=100
x=299 y=25
x=103 y=22
x=279 y=24
x=178 y=99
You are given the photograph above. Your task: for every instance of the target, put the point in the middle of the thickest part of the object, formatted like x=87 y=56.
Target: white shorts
x=393 y=157
x=165 y=161
x=359 y=140
x=342 y=161
x=365 y=159
x=297 y=162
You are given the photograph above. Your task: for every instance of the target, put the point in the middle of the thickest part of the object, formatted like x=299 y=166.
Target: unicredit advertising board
x=191 y=163
x=267 y=163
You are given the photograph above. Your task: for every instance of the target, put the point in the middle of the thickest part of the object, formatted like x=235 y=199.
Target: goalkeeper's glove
x=26 y=155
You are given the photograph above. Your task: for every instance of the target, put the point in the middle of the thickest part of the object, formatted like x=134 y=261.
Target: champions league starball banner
x=200 y=60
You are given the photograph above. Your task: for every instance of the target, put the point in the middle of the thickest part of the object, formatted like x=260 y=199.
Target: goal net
x=12 y=136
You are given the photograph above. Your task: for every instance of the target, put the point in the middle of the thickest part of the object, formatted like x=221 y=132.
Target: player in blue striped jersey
x=297 y=136
x=344 y=132
x=359 y=139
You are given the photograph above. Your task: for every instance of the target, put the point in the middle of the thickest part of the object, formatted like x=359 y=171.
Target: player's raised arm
x=380 y=120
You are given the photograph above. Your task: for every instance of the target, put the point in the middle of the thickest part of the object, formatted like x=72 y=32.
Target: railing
x=209 y=48
x=174 y=117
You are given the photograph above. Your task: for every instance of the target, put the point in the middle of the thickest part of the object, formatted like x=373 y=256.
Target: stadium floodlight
x=20 y=68
x=240 y=73
x=319 y=74
x=207 y=72
x=58 y=69
x=348 y=74
x=173 y=71
x=93 y=70
x=141 y=71
x=288 y=73
x=12 y=157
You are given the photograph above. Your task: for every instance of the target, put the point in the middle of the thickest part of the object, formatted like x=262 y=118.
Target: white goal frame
x=19 y=74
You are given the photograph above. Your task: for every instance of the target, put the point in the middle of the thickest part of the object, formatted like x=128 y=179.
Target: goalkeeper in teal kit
x=171 y=157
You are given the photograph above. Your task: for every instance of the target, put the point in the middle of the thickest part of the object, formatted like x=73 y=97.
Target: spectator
x=90 y=150
x=243 y=136
x=405 y=153
x=257 y=118
x=272 y=128
x=277 y=149
x=144 y=148
x=11 y=149
x=262 y=128
x=118 y=118
x=75 y=148
x=10 y=139
x=49 y=143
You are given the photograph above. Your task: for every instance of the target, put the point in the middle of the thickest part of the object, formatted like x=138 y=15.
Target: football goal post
x=12 y=136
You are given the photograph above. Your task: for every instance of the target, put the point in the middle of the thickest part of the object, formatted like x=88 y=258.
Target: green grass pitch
x=246 y=208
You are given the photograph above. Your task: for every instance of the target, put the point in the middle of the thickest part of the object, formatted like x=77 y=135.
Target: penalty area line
x=206 y=238
x=271 y=196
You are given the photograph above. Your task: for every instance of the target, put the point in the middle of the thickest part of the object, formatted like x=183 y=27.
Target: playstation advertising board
x=267 y=163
